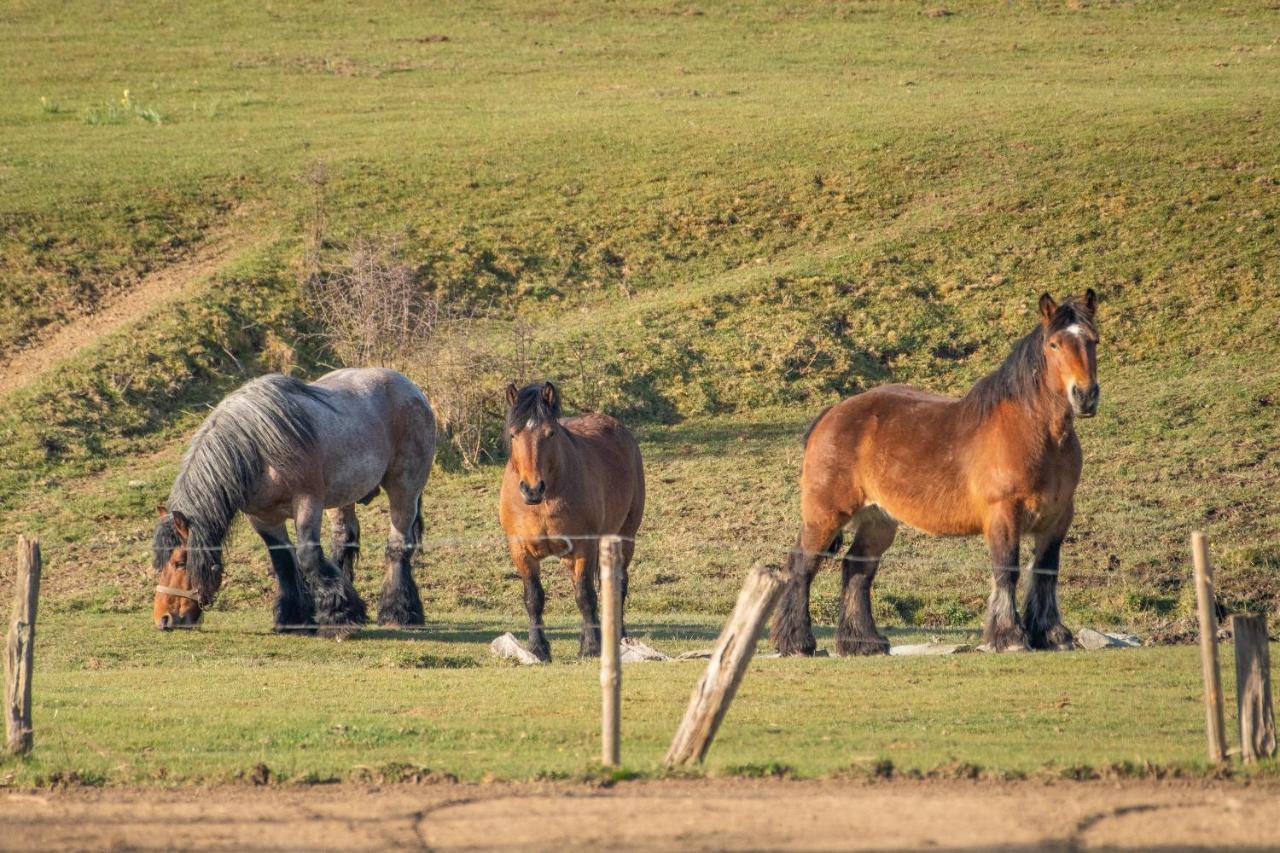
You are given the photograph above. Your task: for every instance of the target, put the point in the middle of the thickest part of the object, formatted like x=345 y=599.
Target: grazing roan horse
x=567 y=483
x=1002 y=461
x=278 y=449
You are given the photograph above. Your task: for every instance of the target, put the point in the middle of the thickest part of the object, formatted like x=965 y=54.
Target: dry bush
x=465 y=372
x=372 y=311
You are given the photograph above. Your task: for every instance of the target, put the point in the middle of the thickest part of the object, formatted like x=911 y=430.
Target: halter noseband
x=181 y=593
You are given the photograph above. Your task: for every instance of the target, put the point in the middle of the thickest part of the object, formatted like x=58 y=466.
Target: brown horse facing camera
x=1002 y=461
x=567 y=483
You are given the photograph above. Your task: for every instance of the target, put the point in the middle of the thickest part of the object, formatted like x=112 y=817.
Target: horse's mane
x=531 y=407
x=1018 y=378
x=262 y=424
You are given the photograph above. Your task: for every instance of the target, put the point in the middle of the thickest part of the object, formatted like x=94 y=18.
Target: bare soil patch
x=673 y=815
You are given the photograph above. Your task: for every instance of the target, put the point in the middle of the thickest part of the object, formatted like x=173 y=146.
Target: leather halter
x=181 y=593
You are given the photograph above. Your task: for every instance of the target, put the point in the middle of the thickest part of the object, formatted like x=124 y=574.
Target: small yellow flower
x=125 y=99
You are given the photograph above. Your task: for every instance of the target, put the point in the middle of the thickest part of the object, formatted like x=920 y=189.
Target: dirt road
x=692 y=815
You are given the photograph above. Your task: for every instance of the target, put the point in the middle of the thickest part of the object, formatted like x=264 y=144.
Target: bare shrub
x=372 y=311
x=465 y=372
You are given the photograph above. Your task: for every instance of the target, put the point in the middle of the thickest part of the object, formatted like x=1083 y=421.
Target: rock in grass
x=696 y=654
x=634 y=651
x=507 y=646
x=930 y=649
x=1091 y=640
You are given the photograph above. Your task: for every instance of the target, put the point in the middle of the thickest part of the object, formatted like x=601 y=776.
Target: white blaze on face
x=529 y=424
x=1075 y=329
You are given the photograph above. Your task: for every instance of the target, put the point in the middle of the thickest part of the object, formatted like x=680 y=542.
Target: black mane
x=1018 y=378
x=531 y=407
x=262 y=424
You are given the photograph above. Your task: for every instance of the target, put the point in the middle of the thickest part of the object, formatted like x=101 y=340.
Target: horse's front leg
x=294 y=609
x=529 y=568
x=336 y=601
x=1003 y=631
x=792 y=628
x=1041 y=618
x=344 y=539
x=585 y=569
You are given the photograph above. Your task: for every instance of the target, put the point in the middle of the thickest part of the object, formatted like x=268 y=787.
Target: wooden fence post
x=19 y=658
x=1209 y=647
x=715 y=689
x=610 y=653
x=1253 y=687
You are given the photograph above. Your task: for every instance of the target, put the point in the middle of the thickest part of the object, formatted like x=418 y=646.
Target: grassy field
x=119 y=704
x=709 y=219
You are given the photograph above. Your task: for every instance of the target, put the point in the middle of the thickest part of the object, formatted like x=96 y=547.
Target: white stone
x=507 y=646
x=634 y=651
x=1091 y=640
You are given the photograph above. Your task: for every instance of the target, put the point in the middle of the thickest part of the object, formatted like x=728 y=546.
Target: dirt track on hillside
x=61 y=341
x=678 y=815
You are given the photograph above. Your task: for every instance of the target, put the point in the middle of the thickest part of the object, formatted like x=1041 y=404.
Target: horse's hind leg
x=1041 y=619
x=294 y=609
x=399 y=602
x=792 y=630
x=336 y=601
x=856 y=632
x=344 y=539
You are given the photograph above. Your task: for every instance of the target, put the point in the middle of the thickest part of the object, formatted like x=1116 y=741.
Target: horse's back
x=615 y=459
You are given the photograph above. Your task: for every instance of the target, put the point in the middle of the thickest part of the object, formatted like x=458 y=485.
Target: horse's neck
x=1052 y=413
x=568 y=460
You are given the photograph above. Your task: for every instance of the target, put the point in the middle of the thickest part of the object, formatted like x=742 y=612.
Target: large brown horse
x=567 y=483
x=1002 y=461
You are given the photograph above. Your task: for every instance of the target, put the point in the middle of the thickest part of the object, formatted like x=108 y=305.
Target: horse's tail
x=417 y=525
x=814 y=424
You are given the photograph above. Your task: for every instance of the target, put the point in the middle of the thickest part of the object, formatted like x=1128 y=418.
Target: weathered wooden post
x=19 y=658
x=715 y=689
x=1213 y=701
x=610 y=652
x=1253 y=687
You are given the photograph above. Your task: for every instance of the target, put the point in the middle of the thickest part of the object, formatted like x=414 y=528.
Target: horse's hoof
x=1060 y=639
x=851 y=646
x=401 y=620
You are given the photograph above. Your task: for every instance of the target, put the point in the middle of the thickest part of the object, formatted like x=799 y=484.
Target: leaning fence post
x=715 y=689
x=610 y=639
x=1253 y=687
x=18 y=660
x=1209 y=646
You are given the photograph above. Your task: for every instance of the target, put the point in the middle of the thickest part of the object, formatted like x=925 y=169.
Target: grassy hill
x=710 y=219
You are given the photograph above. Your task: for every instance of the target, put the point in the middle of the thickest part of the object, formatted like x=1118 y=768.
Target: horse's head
x=1071 y=350
x=177 y=603
x=533 y=432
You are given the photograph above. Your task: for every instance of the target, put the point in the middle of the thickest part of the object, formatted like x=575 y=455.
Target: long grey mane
x=260 y=425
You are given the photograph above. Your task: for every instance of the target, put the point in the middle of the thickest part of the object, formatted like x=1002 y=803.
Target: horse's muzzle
x=533 y=494
x=1085 y=403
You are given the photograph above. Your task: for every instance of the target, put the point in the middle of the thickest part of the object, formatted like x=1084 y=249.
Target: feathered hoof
x=588 y=645
x=339 y=612
x=398 y=610
x=1058 y=639
x=541 y=650
x=795 y=644
x=851 y=645
x=1012 y=639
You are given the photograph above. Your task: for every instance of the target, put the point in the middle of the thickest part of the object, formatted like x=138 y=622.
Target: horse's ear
x=181 y=525
x=551 y=396
x=1091 y=301
x=161 y=511
x=1047 y=307
x=512 y=393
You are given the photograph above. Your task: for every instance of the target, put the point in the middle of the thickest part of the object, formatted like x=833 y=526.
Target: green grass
x=715 y=219
x=118 y=703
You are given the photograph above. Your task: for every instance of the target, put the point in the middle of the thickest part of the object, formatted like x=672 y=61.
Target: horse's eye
x=1053 y=346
